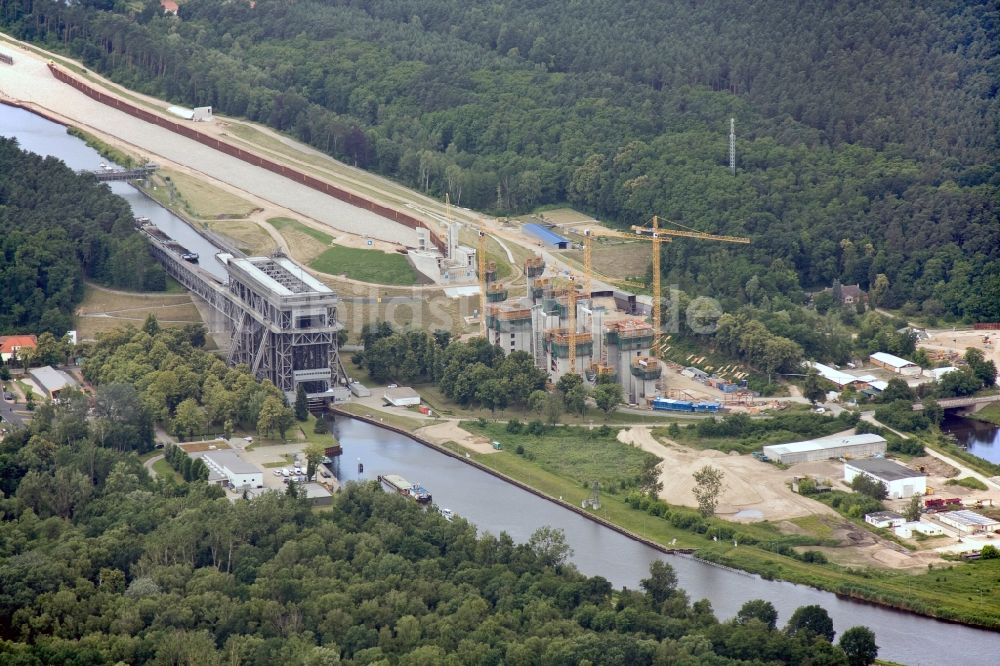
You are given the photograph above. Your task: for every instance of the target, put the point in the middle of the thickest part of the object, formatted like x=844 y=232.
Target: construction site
x=579 y=326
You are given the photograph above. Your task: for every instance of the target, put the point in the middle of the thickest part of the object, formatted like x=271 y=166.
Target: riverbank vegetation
x=741 y=433
x=505 y=110
x=103 y=148
x=60 y=228
x=963 y=592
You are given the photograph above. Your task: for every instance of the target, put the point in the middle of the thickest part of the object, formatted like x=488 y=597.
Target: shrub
x=514 y=426
x=536 y=428
x=519 y=450
x=989 y=552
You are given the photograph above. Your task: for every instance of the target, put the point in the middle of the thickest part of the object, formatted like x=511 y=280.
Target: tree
x=274 y=415
x=708 y=487
x=661 y=584
x=549 y=546
x=879 y=290
x=537 y=400
x=989 y=552
x=314 y=452
x=858 y=643
x=985 y=371
x=568 y=381
x=151 y=325
x=933 y=411
x=189 y=419
x=913 y=509
x=811 y=621
x=576 y=399
x=607 y=397
x=301 y=403
x=554 y=407
x=758 y=609
x=811 y=390
x=869 y=486
x=321 y=428
x=649 y=477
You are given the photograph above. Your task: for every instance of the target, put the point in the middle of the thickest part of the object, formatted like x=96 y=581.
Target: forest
x=102 y=564
x=866 y=131
x=58 y=229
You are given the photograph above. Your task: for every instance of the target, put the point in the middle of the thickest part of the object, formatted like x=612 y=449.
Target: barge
x=398 y=484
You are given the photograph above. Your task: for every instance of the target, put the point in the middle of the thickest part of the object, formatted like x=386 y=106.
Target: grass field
x=196 y=197
x=575 y=453
x=366 y=265
x=354 y=263
x=392 y=418
x=104 y=310
x=990 y=413
x=248 y=236
x=165 y=471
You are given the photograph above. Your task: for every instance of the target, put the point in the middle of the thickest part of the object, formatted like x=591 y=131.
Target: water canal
x=496 y=506
x=979 y=438
x=42 y=136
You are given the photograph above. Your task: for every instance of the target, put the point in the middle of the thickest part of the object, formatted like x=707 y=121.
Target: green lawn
x=165 y=471
x=576 y=453
x=392 y=418
x=280 y=223
x=366 y=265
x=355 y=263
x=990 y=413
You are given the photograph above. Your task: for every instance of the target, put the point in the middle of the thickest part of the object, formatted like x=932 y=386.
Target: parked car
x=8 y=396
x=277 y=472
x=393 y=386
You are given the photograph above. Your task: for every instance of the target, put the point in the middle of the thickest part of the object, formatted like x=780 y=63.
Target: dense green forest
x=867 y=130
x=57 y=229
x=100 y=564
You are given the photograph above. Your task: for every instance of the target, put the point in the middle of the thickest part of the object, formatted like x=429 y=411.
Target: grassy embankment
x=990 y=414
x=105 y=150
x=964 y=592
x=111 y=309
x=942 y=445
x=355 y=263
x=165 y=471
x=433 y=398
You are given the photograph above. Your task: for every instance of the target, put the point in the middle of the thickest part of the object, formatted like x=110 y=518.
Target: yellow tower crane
x=481 y=258
x=657 y=235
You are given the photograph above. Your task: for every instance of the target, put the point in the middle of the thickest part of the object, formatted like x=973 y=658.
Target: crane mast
x=657 y=236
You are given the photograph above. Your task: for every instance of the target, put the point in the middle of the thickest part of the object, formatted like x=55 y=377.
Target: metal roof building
x=824 y=448
x=895 y=364
x=968 y=521
x=900 y=481
x=547 y=236
x=51 y=381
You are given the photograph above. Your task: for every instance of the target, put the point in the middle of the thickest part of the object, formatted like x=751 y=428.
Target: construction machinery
x=657 y=235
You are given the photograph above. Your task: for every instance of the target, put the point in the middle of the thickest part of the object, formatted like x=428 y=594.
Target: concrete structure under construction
x=540 y=323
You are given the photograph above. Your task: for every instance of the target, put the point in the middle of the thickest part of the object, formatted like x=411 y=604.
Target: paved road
x=9 y=415
x=149 y=465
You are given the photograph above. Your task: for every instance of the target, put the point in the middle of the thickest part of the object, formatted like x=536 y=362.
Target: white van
x=285 y=472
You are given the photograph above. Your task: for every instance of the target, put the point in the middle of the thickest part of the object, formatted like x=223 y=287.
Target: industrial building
x=900 y=481
x=824 y=448
x=547 y=236
x=968 y=522
x=238 y=472
x=900 y=366
x=52 y=382
x=401 y=396
x=884 y=519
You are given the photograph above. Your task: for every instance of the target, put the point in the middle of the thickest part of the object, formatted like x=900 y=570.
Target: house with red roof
x=11 y=345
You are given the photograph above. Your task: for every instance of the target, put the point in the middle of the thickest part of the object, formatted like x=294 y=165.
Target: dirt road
x=754 y=490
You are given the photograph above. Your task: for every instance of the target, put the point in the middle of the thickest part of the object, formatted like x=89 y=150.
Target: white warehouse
x=237 y=471
x=902 y=482
x=824 y=448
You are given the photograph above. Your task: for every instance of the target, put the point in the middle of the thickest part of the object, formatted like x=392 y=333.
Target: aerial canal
x=496 y=506
x=42 y=136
